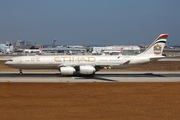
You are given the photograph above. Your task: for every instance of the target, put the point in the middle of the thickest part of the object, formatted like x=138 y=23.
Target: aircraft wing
x=126 y=63
x=73 y=64
x=67 y=64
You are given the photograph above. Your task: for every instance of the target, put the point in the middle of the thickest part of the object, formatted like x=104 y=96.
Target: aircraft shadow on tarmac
x=99 y=75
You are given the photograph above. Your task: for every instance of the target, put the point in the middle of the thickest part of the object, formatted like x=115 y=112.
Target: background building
x=6 y=48
x=126 y=50
x=30 y=43
x=20 y=44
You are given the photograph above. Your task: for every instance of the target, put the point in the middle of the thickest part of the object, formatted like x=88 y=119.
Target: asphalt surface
x=98 y=77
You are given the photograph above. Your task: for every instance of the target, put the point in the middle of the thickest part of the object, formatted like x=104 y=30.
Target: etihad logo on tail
x=157 y=49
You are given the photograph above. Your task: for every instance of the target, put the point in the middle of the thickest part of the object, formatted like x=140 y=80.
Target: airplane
x=113 y=51
x=89 y=64
x=33 y=50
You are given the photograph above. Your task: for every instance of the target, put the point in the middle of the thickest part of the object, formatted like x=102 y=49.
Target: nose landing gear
x=20 y=72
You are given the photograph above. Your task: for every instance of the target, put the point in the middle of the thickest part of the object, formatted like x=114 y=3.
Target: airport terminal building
x=113 y=50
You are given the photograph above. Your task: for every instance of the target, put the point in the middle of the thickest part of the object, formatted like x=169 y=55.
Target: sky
x=90 y=22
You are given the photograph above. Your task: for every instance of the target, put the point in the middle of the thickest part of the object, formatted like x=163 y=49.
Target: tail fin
x=40 y=47
x=156 y=48
x=121 y=49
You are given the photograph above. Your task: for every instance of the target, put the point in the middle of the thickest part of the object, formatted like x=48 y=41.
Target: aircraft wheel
x=20 y=72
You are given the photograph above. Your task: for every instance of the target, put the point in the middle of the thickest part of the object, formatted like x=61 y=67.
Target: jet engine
x=67 y=70
x=87 y=70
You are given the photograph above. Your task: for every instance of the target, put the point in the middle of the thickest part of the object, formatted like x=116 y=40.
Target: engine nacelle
x=67 y=70
x=87 y=70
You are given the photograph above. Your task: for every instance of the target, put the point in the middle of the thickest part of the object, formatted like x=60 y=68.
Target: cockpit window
x=10 y=60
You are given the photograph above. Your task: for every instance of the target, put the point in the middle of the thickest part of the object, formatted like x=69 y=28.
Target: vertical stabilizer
x=40 y=47
x=156 y=48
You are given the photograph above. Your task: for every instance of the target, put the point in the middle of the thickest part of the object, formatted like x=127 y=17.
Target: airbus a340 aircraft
x=33 y=50
x=88 y=65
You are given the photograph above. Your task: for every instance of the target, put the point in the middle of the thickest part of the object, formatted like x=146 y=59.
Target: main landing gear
x=20 y=72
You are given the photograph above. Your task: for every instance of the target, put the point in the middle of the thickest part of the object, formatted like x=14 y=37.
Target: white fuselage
x=55 y=62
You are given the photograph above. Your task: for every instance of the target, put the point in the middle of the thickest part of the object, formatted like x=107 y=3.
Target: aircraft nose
x=8 y=62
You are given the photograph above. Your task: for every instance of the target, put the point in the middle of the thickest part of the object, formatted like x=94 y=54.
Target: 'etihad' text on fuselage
x=73 y=59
